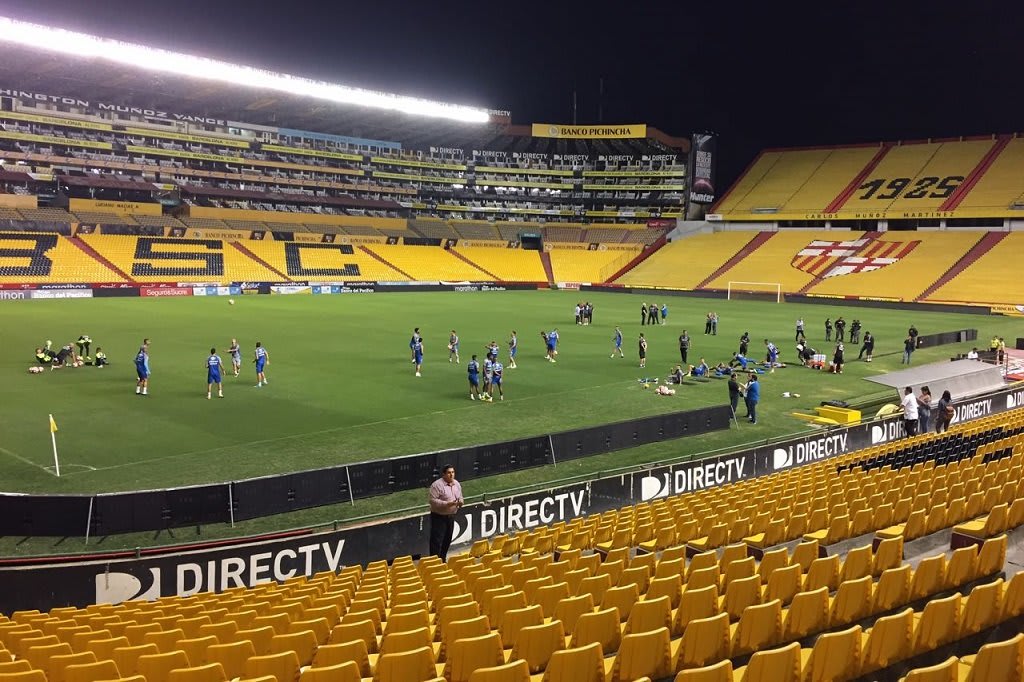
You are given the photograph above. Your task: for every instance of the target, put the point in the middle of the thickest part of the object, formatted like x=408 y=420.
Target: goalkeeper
x=84 y=344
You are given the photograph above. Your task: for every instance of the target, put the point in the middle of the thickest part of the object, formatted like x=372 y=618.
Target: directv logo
x=116 y=587
x=1015 y=400
x=463 y=531
x=652 y=487
x=782 y=459
x=883 y=433
x=809 y=451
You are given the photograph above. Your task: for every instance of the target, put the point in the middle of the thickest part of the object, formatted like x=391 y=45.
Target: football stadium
x=803 y=460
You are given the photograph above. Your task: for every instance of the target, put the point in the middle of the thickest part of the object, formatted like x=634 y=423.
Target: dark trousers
x=441 y=529
x=734 y=401
x=799 y=334
x=910 y=426
x=707 y=327
x=682 y=354
x=643 y=319
x=751 y=410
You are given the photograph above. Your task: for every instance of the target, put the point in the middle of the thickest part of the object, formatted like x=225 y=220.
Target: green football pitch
x=342 y=387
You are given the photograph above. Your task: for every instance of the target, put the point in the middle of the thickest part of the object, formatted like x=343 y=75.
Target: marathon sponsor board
x=64 y=285
x=290 y=289
x=60 y=293
x=13 y=295
x=156 y=292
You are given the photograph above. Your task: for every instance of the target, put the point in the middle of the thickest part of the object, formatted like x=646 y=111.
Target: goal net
x=756 y=291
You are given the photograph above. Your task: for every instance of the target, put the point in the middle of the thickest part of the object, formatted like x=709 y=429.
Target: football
x=231 y=301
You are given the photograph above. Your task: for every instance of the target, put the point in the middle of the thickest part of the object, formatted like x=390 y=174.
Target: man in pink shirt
x=445 y=502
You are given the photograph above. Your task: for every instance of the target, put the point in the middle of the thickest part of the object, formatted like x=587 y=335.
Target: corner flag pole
x=53 y=439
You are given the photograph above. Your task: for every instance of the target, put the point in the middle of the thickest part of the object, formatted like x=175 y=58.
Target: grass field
x=342 y=388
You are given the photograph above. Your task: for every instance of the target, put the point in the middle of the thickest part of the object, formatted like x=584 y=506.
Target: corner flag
x=53 y=439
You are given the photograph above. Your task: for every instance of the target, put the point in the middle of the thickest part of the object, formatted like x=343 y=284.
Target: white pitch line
x=27 y=461
x=331 y=430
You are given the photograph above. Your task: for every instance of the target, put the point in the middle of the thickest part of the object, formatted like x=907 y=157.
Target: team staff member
x=445 y=501
x=734 y=393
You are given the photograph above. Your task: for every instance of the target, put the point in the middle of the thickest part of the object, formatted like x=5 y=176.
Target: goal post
x=762 y=291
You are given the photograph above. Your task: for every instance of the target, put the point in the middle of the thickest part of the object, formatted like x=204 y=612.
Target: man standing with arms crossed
x=445 y=498
x=684 y=346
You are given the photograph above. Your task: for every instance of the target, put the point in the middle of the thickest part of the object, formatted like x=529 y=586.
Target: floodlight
x=153 y=59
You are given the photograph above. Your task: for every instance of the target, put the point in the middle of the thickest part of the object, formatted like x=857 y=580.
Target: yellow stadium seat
x=601 y=627
x=888 y=641
x=515 y=671
x=705 y=640
x=718 y=672
x=470 y=653
x=853 y=601
x=157 y=667
x=622 y=599
x=995 y=662
x=645 y=654
x=231 y=657
x=25 y=676
x=210 y=672
x=929 y=577
x=57 y=666
x=982 y=608
x=740 y=594
x=783 y=584
x=342 y=672
x=775 y=665
x=16 y=666
x=536 y=644
x=515 y=620
x=39 y=655
x=806 y=614
x=695 y=604
x=937 y=624
x=578 y=664
x=834 y=657
x=648 y=615
x=992 y=556
x=91 y=672
x=941 y=672
x=759 y=626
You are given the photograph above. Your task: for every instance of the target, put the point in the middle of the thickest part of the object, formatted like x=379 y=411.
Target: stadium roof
x=35 y=64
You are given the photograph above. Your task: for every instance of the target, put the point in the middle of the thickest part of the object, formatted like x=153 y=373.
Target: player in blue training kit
x=513 y=349
x=142 y=369
x=773 y=354
x=453 y=347
x=262 y=359
x=213 y=366
x=416 y=338
x=496 y=373
x=473 y=372
x=617 y=340
x=236 y=356
x=417 y=354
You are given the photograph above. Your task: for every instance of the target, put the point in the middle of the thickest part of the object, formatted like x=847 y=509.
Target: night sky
x=760 y=75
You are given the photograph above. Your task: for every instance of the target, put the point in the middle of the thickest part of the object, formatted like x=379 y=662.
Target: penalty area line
x=27 y=461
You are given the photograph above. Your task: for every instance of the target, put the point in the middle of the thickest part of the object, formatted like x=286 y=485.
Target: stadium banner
x=703 y=151
x=1011 y=310
x=116 y=292
x=60 y=293
x=290 y=289
x=158 y=292
x=118 y=207
x=212 y=569
x=603 y=132
x=196 y=233
x=14 y=295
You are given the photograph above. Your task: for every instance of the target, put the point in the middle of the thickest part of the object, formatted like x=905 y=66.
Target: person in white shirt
x=909 y=412
x=972 y=354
